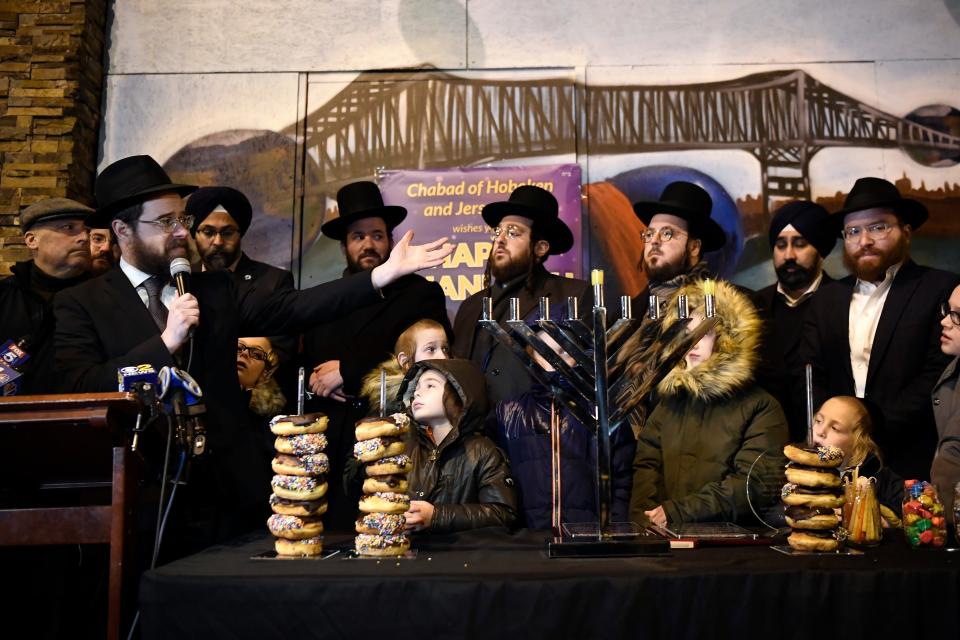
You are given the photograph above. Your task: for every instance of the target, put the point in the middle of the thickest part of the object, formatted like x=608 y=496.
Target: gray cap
x=51 y=209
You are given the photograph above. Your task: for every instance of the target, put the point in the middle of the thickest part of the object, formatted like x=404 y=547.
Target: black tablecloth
x=486 y=584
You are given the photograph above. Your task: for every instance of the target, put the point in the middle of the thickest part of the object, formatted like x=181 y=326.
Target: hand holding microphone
x=184 y=312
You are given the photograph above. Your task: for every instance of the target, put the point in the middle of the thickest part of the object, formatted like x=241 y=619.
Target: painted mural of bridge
x=429 y=118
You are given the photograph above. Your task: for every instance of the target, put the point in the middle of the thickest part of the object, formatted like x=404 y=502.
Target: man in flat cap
x=133 y=315
x=876 y=334
x=527 y=229
x=221 y=217
x=55 y=232
x=338 y=354
x=800 y=240
x=679 y=232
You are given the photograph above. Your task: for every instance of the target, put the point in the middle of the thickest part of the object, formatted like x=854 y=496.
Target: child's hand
x=419 y=516
x=657 y=516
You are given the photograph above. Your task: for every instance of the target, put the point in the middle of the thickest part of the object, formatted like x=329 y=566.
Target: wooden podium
x=83 y=490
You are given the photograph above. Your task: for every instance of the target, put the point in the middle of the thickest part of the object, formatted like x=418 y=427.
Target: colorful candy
x=923 y=521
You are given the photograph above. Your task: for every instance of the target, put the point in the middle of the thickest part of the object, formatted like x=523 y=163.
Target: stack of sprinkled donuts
x=380 y=526
x=300 y=484
x=812 y=495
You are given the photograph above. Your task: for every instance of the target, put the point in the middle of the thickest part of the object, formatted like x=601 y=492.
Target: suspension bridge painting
x=755 y=140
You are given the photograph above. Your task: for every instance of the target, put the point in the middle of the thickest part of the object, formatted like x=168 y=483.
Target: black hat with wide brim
x=691 y=203
x=359 y=200
x=127 y=182
x=541 y=207
x=877 y=193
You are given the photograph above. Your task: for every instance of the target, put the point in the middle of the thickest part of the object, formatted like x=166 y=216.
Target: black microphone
x=180 y=272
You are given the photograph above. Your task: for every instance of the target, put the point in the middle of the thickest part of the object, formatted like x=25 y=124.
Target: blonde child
x=846 y=423
x=423 y=340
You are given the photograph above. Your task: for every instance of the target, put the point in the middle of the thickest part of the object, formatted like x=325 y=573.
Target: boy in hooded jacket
x=460 y=479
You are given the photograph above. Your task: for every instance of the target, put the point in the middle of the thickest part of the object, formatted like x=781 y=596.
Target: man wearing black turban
x=800 y=240
x=221 y=217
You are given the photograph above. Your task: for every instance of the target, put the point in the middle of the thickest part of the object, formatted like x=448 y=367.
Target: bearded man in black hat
x=800 y=241
x=679 y=231
x=526 y=230
x=55 y=231
x=875 y=334
x=133 y=315
x=338 y=354
x=221 y=217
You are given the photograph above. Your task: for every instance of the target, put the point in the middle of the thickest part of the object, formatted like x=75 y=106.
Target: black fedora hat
x=359 y=200
x=539 y=205
x=877 y=193
x=691 y=203
x=129 y=181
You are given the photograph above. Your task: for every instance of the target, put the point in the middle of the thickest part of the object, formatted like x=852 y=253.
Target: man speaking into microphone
x=133 y=315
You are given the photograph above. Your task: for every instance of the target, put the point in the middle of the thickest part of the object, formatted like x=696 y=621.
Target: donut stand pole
x=808 y=375
x=301 y=390
x=383 y=392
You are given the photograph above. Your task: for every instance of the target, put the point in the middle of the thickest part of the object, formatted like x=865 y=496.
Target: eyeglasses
x=168 y=224
x=513 y=232
x=666 y=234
x=252 y=352
x=875 y=231
x=945 y=311
x=227 y=233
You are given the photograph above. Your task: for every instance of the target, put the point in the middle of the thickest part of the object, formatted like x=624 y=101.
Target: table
x=488 y=584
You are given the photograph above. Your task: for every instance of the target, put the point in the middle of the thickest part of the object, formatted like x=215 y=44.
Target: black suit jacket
x=781 y=371
x=905 y=360
x=103 y=325
x=265 y=279
x=506 y=376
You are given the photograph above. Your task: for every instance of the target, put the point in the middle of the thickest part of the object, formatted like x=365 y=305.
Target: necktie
x=153 y=287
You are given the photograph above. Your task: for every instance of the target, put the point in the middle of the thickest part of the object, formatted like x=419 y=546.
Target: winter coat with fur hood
x=711 y=425
x=466 y=477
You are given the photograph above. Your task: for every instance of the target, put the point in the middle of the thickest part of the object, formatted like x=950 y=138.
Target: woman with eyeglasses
x=256 y=364
x=945 y=470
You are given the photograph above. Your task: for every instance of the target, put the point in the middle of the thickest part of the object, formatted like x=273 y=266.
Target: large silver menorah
x=617 y=369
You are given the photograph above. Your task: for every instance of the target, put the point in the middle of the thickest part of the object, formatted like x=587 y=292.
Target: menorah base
x=621 y=539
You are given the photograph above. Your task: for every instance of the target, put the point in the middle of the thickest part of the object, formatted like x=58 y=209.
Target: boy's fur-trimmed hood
x=735 y=352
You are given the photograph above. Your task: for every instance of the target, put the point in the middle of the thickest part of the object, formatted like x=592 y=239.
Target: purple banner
x=447 y=202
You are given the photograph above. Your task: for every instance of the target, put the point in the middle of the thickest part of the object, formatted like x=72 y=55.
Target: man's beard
x=102 y=262
x=515 y=266
x=354 y=266
x=877 y=272
x=218 y=259
x=155 y=264
x=797 y=279
x=664 y=271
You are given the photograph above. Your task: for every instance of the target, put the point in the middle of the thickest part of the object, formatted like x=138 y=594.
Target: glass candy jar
x=924 y=521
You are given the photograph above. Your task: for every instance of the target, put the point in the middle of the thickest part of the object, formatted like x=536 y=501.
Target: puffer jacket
x=522 y=428
x=712 y=428
x=466 y=478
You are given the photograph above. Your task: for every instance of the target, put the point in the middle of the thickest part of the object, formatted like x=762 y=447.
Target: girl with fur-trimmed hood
x=711 y=424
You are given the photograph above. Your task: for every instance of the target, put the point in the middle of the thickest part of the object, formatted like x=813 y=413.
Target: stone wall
x=51 y=79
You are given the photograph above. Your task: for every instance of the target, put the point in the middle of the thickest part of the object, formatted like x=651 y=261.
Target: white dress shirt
x=137 y=278
x=866 y=305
